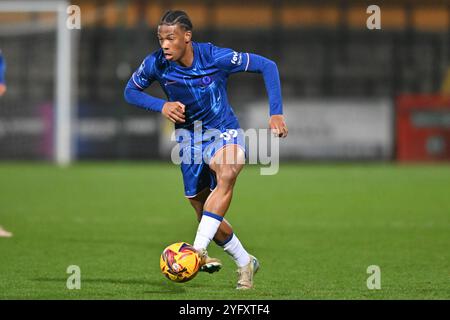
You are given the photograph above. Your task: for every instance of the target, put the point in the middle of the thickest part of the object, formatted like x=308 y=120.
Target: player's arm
x=134 y=94
x=233 y=62
x=2 y=76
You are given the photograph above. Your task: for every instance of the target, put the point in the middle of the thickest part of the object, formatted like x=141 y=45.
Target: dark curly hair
x=173 y=17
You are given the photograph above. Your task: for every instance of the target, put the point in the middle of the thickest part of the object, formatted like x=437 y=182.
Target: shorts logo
x=229 y=134
x=198 y=147
x=169 y=82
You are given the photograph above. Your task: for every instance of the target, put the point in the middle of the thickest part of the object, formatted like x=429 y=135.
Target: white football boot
x=246 y=274
x=208 y=264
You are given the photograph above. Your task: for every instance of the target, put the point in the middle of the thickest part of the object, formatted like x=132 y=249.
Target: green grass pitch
x=315 y=229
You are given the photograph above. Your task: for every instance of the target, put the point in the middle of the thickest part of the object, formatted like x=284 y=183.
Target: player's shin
x=207 y=228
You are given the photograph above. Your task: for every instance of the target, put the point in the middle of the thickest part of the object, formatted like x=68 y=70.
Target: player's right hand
x=174 y=111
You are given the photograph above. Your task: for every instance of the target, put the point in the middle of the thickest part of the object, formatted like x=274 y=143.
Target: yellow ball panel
x=179 y=262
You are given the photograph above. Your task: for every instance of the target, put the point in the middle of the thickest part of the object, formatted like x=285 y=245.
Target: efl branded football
x=180 y=262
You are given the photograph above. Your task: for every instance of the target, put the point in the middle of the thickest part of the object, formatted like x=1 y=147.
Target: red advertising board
x=423 y=128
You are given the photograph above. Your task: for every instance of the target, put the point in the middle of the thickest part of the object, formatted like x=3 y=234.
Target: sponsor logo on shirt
x=237 y=58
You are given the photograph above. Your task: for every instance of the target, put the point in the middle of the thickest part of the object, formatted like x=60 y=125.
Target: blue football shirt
x=202 y=86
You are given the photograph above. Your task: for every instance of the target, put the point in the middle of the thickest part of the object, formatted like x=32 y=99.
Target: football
x=179 y=262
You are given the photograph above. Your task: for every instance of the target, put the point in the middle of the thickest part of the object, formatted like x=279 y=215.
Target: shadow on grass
x=160 y=287
x=112 y=242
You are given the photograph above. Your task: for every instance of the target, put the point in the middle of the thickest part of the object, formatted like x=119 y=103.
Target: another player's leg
x=4 y=233
x=216 y=207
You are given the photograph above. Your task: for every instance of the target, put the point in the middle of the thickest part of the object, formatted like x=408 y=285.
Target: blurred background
x=349 y=93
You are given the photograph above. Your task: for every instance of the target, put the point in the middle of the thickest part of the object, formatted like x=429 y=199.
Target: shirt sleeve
x=141 y=79
x=229 y=60
x=232 y=61
x=269 y=70
x=144 y=75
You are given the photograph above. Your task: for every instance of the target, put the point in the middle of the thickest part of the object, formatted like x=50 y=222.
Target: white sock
x=235 y=249
x=207 y=229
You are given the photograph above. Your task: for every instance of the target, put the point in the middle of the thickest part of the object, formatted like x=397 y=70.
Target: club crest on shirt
x=206 y=80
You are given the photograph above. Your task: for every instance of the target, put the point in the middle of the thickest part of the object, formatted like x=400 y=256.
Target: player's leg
x=197 y=181
x=4 y=233
x=218 y=201
x=225 y=232
x=227 y=164
x=210 y=265
x=198 y=201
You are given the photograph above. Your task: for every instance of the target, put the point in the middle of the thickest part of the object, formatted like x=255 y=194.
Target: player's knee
x=228 y=175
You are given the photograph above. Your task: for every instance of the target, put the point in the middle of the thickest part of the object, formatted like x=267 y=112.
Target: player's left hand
x=278 y=126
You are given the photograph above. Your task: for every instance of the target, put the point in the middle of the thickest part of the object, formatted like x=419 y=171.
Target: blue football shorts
x=195 y=169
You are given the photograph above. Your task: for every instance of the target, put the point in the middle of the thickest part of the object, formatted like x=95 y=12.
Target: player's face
x=174 y=41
